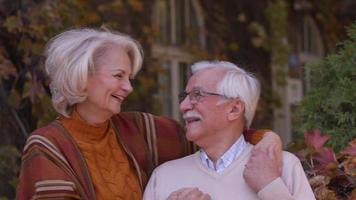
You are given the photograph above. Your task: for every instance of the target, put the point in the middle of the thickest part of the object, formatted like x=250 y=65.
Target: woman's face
x=109 y=85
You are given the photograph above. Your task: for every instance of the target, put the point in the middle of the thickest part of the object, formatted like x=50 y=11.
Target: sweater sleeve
x=41 y=178
x=45 y=170
x=293 y=185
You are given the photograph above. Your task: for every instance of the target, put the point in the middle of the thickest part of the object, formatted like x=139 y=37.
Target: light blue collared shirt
x=227 y=158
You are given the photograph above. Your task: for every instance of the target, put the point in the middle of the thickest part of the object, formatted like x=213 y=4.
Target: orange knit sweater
x=112 y=175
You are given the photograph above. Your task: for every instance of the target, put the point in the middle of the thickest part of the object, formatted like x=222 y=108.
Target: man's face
x=206 y=118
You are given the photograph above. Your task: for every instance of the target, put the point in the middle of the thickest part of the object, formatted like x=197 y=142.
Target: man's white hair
x=236 y=83
x=70 y=59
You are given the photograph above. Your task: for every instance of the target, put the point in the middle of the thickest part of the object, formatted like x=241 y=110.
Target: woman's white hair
x=70 y=59
x=236 y=83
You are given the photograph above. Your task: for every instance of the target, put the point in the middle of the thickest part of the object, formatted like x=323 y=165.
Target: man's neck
x=227 y=158
x=220 y=146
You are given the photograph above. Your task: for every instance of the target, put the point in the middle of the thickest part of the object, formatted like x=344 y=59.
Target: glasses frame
x=196 y=94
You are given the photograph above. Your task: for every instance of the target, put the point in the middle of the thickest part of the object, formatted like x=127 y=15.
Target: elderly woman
x=92 y=151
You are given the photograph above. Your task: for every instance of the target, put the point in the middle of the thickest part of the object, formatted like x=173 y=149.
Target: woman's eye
x=119 y=76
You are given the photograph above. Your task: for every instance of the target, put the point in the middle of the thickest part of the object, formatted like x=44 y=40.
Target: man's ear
x=236 y=110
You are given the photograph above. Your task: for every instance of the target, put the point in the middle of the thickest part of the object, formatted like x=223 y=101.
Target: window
x=309 y=38
x=163 y=19
x=310 y=47
x=165 y=88
x=178 y=23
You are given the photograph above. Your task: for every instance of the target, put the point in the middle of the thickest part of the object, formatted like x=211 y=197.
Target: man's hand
x=265 y=163
x=188 y=194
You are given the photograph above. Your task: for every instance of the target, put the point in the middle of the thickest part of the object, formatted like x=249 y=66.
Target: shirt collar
x=227 y=158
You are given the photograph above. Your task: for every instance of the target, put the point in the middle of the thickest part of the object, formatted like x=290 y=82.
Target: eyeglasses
x=196 y=94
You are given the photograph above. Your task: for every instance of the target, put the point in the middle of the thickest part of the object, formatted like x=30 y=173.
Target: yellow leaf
x=37 y=48
x=92 y=17
x=14 y=98
x=25 y=44
x=27 y=88
x=12 y=23
x=136 y=5
x=331 y=166
x=350 y=165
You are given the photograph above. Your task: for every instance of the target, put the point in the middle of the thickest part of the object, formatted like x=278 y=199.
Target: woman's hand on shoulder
x=265 y=163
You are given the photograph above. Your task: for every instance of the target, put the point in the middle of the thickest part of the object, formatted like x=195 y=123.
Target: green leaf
x=14 y=99
x=12 y=23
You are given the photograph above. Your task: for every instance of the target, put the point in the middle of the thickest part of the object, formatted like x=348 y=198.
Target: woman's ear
x=236 y=110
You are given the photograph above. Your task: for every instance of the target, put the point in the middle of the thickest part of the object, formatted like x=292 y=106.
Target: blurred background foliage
x=26 y=26
x=249 y=33
x=330 y=105
x=331 y=174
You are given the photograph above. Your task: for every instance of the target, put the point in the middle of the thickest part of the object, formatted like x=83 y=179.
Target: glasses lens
x=195 y=95
x=182 y=96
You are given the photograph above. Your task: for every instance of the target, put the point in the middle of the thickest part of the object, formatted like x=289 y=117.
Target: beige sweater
x=228 y=184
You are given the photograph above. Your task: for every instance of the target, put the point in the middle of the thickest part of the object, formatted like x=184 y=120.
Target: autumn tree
x=26 y=26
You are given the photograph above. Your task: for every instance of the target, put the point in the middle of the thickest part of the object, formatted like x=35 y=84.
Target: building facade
x=181 y=24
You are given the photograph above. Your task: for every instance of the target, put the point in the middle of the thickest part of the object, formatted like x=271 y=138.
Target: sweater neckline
x=82 y=130
x=238 y=161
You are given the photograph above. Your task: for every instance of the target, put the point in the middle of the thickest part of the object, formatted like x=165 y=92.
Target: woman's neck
x=91 y=116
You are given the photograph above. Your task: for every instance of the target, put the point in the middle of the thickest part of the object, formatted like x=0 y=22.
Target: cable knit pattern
x=113 y=176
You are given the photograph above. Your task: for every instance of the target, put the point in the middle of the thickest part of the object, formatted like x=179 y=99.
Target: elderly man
x=219 y=102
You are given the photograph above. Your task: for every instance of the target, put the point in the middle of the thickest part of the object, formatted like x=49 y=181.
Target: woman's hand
x=265 y=163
